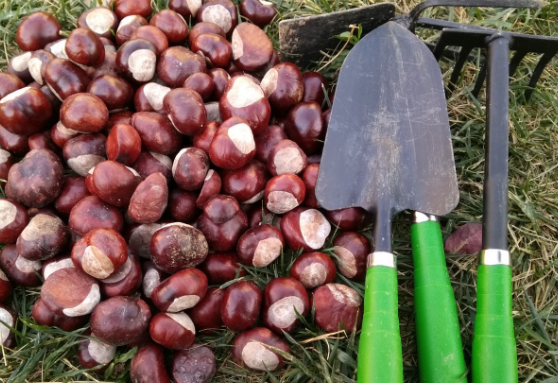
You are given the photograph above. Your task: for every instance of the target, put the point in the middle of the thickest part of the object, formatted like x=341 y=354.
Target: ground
x=45 y=354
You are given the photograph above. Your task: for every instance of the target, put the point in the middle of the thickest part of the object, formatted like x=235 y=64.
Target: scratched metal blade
x=388 y=139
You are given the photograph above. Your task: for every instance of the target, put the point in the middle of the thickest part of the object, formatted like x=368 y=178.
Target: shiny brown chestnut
x=124 y=8
x=260 y=12
x=45 y=317
x=36 y=181
x=233 y=145
x=9 y=83
x=215 y=48
x=116 y=93
x=245 y=99
x=310 y=178
x=137 y=60
x=221 y=268
x=286 y=157
x=186 y=111
x=84 y=47
x=266 y=140
x=157 y=132
x=283 y=299
x=306 y=127
x=211 y=186
x=260 y=215
x=178 y=246
x=127 y=26
x=92 y=213
x=251 y=48
x=206 y=315
x=100 y=253
x=120 y=320
x=123 y=144
x=148 y=365
x=246 y=184
x=315 y=85
x=350 y=219
x=180 y=291
x=220 y=79
x=149 y=97
x=93 y=353
x=305 y=228
x=70 y=292
x=172 y=24
x=198 y=361
x=190 y=168
x=337 y=304
x=54 y=100
x=149 y=200
x=222 y=222
x=313 y=269
x=240 y=307
x=248 y=349
x=60 y=134
x=284 y=87
x=204 y=27
x=65 y=78
x=19 y=270
x=352 y=250
x=25 y=111
x=84 y=113
x=185 y=8
x=37 y=64
x=152 y=162
x=126 y=281
x=260 y=246
x=202 y=83
x=37 y=30
x=283 y=193
x=44 y=237
x=13 y=219
x=83 y=152
x=178 y=63
x=114 y=183
x=182 y=205
x=42 y=140
x=102 y=21
x=221 y=12
x=174 y=331
x=14 y=143
x=153 y=35
x=203 y=140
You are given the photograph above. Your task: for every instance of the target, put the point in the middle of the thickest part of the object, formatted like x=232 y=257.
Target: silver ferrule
x=421 y=217
x=492 y=257
x=381 y=258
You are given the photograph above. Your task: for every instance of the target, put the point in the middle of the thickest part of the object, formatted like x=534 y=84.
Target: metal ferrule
x=421 y=217
x=492 y=257
x=381 y=258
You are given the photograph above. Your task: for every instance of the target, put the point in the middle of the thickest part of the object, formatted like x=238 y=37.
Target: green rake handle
x=440 y=352
x=380 y=359
x=494 y=349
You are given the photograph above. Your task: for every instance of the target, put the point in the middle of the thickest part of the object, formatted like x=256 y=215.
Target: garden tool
x=387 y=149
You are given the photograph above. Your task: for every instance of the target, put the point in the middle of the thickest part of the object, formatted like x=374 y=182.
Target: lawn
x=48 y=354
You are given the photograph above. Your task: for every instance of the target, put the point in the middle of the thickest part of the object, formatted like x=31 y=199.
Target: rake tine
x=480 y=80
x=537 y=73
x=517 y=57
x=461 y=59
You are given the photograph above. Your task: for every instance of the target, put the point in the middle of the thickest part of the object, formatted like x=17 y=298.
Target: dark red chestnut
x=178 y=63
x=126 y=281
x=203 y=140
x=246 y=184
x=36 y=181
x=37 y=30
x=123 y=144
x=114 y=91
x=240 y=307
x=190 y=168
x=221 y=268
x=152 y=162
x=220 y=79
x=93 y=353
x=260 y=12
x=283 y=299
x=185 y=8
x=125 y=8
x=206 y=315
x=221 y=12
x=249 y=351
x=83 y=152
x=260 y=246
x=174 y=331
x=315 y=85
x=186 y=111
x=19 y=270
x=180 y=291
x=245 y=99
x=310 y=178
x=202 y=83
x=9 y=83
x=352 y=249
x=127 y=26
x=351 y=218
x=149 y=97
x=25 y=111
x=233 y=145
x=60 y=134
x=201 y=28
x=283 y=86
x=157 y=132
x=153 y=35
x=337 y=304
x=70 y=292
x=172 y=24
x=306 y=127
x=211 y=186
x=65 y=78
x=120 y=320
x=102 y=21
x=198 y=362
x=92 y=213
x=182 y=205
x=283 y=193
x=114 y=183
x=149 y=200
x=43 y=238
x=84 y=47
x=148 y=366
x=13 y=219
x=305 y=228
x=84 y=113
x=42 y=140
x=46 y=317
x=313 y=269
x=251 y=48
x=266 y=140
x=178 y=246
x=14 y=143
x=260 y=215
x=215 y=48
x=137 y=59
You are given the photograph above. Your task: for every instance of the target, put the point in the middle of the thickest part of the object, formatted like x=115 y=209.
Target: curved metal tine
x=516 y=60
x=539 y=69
x=480 y=80
x=461 y=59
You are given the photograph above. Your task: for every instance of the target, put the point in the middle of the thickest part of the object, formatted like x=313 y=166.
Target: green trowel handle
x=440 y=352
x=379 y=354
x=494 y=349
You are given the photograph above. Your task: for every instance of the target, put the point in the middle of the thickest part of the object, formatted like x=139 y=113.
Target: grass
x=47 y=354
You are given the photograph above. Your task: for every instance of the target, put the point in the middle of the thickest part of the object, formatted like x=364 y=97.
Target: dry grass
x=49 y=355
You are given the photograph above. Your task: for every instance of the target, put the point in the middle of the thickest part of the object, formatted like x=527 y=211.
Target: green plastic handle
x=440 y=351
x=494 y=349
x=379 y=354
